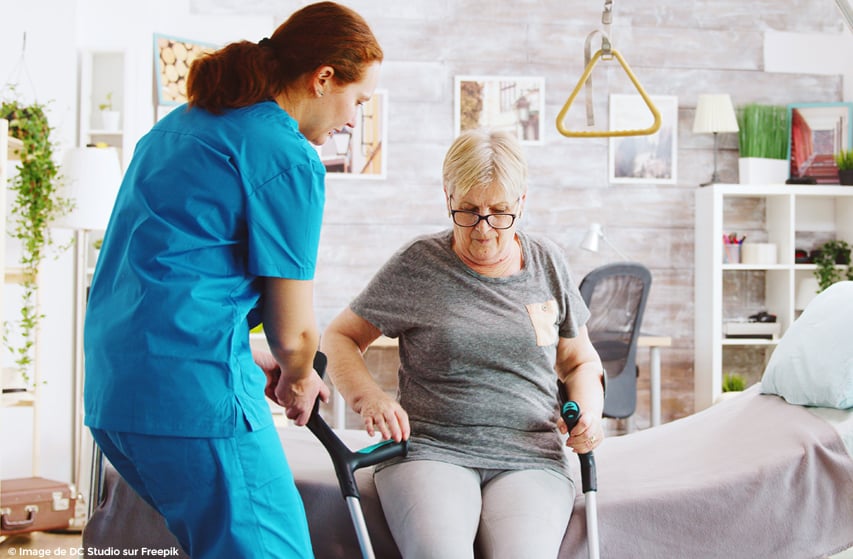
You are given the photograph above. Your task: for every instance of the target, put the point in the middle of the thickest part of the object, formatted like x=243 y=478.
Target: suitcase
x=34 y=504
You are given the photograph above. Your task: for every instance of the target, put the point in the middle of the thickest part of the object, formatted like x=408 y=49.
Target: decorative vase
x=110 y=120
x=760 y=170
x=845 y=177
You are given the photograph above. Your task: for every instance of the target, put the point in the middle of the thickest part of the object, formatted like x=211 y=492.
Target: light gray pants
x=436 y=510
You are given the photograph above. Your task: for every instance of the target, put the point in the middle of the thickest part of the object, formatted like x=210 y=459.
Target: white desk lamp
x=594 y=234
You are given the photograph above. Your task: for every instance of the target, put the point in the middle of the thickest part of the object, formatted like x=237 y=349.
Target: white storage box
x=762 y=254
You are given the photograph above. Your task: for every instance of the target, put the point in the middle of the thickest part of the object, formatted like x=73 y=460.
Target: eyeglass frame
x=482 y=217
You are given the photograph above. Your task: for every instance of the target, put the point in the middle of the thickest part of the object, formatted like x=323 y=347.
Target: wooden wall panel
x=676 y=47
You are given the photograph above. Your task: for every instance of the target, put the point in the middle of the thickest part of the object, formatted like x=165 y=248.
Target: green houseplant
x=110 y=117
x=36 y=203
x=832 y=263
x=733 y=383
x=844 y=161
x=763 y=144
x=107 y=104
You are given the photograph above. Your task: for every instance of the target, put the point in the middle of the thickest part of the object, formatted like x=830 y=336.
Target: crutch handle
x=346 y=461
x=571 y=413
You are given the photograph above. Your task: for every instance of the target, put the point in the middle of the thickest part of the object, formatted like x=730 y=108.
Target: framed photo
x=818 y=132
x=362 y=151
x=643 y=159
x=516 y=104
x=172 y=59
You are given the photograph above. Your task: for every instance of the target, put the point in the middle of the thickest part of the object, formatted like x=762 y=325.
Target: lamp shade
x=590 y=240
x=715 y=113
x=91 y=180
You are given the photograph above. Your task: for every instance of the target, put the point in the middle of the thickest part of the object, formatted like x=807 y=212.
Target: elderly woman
x=485 y=315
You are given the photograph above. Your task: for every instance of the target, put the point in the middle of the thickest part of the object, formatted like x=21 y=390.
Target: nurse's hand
x=291 y=395
x=298 y=397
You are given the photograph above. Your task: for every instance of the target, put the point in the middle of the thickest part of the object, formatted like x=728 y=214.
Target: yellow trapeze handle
x=607 y=133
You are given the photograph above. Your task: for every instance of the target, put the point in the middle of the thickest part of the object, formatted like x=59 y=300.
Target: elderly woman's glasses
x=465 y=218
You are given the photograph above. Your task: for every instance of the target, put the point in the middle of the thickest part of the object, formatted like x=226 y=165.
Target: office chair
x=616 y=295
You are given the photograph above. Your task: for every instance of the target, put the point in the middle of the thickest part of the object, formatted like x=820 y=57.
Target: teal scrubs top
x=210 y=205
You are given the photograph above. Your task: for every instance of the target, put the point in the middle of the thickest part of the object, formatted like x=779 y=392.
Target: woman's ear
x=322 y=77
x=447 y=201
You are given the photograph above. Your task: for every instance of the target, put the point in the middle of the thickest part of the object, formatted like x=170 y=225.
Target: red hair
x=244 y=73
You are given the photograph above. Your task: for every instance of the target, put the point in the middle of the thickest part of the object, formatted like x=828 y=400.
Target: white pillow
x=813 y=362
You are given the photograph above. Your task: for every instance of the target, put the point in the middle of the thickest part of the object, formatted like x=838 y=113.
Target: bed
x=748 y=478
x=766 y=474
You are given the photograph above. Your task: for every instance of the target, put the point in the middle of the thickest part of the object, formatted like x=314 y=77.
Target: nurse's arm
x=293 y=337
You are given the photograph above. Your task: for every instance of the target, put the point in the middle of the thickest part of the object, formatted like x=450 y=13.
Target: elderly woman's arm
x=579 y=367
x=344 y=343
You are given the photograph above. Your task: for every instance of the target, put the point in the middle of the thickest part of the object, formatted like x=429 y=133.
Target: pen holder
x=731 y=253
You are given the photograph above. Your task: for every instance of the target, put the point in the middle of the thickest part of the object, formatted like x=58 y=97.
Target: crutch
x=571 y=414
x=346 y=462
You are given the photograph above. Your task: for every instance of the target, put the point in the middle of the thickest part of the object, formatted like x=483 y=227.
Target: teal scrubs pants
x=221 y=497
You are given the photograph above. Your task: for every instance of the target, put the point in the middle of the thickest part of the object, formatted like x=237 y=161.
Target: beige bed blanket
x=752 y=478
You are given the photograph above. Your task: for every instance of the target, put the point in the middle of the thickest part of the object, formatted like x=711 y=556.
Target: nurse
x=216 y=229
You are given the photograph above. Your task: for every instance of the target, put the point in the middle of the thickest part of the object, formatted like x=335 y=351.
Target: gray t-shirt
x=477 y=353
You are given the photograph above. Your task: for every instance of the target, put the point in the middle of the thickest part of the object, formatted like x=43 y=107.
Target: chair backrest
x=616 y=295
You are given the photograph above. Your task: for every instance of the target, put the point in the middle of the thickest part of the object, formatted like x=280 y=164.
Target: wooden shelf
x=18 y=399
x=14 y=275
x=10 y=150
x=15 y=147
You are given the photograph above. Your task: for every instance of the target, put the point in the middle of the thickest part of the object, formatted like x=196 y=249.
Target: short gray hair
x=480 y=158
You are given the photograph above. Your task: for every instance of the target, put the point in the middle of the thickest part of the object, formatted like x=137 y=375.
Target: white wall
x=807 y=52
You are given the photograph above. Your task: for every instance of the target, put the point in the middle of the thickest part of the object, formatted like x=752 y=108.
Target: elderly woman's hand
x=586 y=435
x=384 y=415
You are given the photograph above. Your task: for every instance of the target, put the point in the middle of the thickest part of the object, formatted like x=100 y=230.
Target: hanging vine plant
x=36 y=203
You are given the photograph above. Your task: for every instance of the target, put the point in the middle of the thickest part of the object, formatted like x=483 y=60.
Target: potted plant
x=832 y=263
x=96 y=245
x=35 y=204
x=844 y=161
x=763 y=144
x=733 y=384
x=109 y=116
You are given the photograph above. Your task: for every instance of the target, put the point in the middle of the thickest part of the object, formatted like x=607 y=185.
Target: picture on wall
x=516 y=104
x=644 y=159
x=361 y=151
x=818 y=132
x=172 y=59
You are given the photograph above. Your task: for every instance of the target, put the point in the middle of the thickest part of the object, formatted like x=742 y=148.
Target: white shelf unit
x=787 y=214
x=102 y=73
x=9 y=152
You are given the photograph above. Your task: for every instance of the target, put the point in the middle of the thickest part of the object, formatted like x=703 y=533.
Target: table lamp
x=714 y=114
x=594 y=234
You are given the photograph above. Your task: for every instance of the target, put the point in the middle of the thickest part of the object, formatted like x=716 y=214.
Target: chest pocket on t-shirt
x=544 y=319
